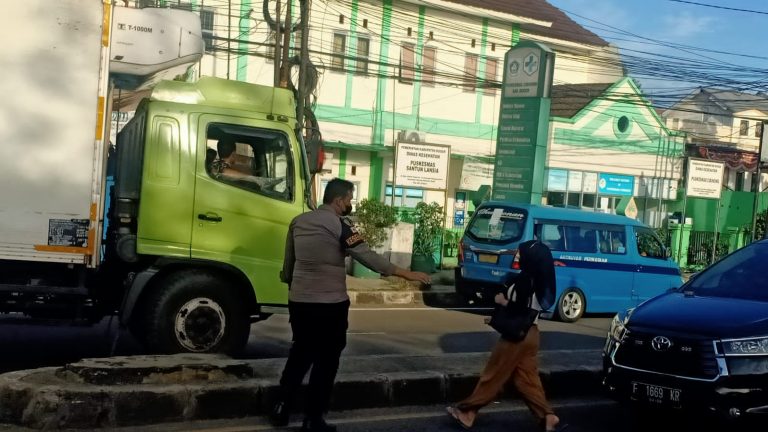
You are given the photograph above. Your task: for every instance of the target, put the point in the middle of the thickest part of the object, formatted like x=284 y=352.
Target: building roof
x=563 y=27
x=736 y=101
x=569 y=99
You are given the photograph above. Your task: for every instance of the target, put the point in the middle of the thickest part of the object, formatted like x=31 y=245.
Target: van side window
x=648 y=245
x=567 y=236
x=551 y=235
x=613 y=240
x=257 y=160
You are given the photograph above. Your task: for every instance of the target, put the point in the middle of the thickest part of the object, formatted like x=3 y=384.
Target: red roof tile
x=563 y=27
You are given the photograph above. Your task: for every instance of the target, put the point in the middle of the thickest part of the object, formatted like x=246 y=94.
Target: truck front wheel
x=195 y=311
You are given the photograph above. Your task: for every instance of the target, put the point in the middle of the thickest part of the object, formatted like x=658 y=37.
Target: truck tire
x=571 y=305
x=195 y=311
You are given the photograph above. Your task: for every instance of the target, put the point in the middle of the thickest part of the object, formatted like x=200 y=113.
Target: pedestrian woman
x=518 y=361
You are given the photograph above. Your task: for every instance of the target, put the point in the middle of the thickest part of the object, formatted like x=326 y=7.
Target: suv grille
x=687 y=357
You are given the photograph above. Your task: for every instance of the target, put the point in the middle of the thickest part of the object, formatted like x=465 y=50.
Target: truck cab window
x=258 y=160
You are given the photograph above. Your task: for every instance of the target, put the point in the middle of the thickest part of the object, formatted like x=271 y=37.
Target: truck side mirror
x=313 y=142
x=315 y=155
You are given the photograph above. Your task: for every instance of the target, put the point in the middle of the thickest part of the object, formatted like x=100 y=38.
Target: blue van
x=603 y=262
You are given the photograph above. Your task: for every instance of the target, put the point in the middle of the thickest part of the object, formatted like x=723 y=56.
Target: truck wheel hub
x=200 y=324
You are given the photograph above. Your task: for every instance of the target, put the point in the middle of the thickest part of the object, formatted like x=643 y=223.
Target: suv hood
x=704 y=316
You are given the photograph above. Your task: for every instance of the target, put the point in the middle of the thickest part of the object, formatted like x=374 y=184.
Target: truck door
x=244 y=201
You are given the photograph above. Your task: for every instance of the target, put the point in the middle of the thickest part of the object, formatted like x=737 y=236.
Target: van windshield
x=497 y=224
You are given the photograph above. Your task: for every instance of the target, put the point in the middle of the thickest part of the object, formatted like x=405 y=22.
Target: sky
x=672 y=47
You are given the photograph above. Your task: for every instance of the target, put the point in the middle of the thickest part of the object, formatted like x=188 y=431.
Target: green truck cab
x=203 y=250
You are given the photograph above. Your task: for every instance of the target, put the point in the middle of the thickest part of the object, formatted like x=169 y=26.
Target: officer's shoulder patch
x=350 y=236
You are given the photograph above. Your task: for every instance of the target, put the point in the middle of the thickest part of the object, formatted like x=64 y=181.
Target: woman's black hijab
x=537 y=272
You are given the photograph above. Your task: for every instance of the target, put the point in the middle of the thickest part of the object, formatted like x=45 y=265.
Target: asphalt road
x=373 y=331
x=582 y=415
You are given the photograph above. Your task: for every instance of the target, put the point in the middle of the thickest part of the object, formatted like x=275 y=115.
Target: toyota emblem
x=661 y=343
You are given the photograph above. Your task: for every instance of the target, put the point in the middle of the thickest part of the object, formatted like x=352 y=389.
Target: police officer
x=314 y=270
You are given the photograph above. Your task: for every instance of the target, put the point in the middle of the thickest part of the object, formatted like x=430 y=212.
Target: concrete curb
x=437 y=296
x=58 y=398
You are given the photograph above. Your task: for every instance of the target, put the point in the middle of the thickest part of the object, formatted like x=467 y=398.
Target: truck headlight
x=745 y=347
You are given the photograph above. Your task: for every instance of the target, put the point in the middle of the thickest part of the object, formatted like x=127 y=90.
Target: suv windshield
x=740 y=275
x=497 y=224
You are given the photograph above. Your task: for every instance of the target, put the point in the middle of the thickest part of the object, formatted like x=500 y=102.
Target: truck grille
x=687 y=357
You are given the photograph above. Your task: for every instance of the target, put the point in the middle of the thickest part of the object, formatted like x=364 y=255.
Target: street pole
x=757 y=182
x=278 y=52
x=304 y=53
x=682 y=219
x=717 y=230
x=285 y=70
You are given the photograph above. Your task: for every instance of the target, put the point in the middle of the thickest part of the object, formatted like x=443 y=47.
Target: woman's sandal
x=454 y=413
x=560 y=427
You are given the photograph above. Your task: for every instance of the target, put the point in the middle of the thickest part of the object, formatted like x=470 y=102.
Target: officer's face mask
x=346 y=206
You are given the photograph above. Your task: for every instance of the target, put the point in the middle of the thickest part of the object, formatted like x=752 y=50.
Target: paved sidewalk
x=142 y=390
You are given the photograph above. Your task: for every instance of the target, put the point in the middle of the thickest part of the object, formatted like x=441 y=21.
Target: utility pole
x=278 y=53
x=757 y=182
x=285 y=68
x=304 y=54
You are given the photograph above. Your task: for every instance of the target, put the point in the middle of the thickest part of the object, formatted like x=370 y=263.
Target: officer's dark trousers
x=319 y=337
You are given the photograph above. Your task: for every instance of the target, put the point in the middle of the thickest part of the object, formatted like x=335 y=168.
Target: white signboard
x=764 y=146
x=705 y=178
x=522 y=74
x=422 y=165
x=475 y=174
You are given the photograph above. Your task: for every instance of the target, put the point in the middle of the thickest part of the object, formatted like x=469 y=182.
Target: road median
x=142 y=390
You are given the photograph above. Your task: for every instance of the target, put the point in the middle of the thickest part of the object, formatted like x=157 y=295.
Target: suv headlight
x=746 y=347
x=617 y=329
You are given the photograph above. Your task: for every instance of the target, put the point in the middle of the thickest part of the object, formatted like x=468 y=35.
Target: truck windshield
x=497 y=224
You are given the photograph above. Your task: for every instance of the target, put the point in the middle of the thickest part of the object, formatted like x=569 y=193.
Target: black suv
x=701 y=346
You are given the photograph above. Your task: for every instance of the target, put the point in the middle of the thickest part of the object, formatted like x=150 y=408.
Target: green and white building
x=429 y=71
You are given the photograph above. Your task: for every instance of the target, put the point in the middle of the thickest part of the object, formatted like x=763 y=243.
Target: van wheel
x=194 y=311
x=571 y=305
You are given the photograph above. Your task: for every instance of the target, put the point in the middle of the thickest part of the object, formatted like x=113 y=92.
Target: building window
x=623 y=124
x=428 y=66
x=470 y=72
x=491 y=73
x=759 y=129
x=363 y=49
x=675 y=123
x=297 y=42
x=406 y=62
x=269 y=55
x=744 y=128
x=339 y=51
x=206 y=22
x=404 y=197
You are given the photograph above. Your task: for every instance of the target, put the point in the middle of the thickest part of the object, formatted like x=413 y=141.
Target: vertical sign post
x=523 y=128
x=705 y=180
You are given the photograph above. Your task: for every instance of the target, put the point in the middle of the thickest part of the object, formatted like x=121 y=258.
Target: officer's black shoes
x=317 y=424
x=280 y=414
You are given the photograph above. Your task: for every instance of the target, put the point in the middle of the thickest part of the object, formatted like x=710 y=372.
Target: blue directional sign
x=615 y=184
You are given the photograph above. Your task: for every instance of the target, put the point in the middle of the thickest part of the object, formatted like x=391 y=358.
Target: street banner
x=475 y=173
x=705 y=178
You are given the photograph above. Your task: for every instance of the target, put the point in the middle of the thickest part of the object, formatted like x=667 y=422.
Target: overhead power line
x=719 y=7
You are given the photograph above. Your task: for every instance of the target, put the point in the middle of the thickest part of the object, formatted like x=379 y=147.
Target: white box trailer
x=58 y=72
